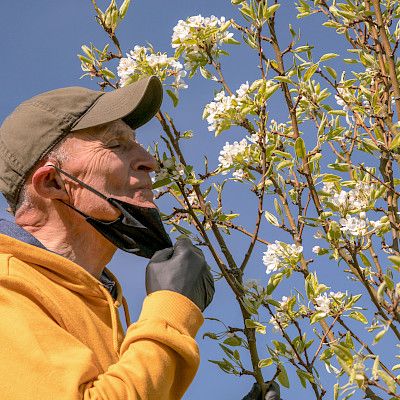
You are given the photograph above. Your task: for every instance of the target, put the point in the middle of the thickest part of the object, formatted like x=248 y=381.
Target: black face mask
x=138 y=230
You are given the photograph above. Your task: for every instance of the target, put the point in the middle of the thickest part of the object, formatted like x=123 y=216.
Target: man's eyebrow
x=115 y=133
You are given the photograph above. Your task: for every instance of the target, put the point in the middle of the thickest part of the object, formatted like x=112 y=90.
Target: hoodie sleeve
x=41 y=360
x=162 y=343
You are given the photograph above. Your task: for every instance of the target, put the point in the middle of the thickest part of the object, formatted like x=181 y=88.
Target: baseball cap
x=38 y=124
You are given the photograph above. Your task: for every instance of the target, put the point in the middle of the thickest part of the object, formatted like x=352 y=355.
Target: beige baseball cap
x=38 y=124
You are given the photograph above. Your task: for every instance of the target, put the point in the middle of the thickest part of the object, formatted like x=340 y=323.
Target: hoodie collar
x=14 y=231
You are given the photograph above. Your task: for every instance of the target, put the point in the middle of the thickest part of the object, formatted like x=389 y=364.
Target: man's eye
x=114 y=145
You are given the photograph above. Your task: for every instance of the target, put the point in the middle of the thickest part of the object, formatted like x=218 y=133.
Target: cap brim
x=136 y=104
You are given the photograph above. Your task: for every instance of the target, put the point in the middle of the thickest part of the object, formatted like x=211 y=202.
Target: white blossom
x=169 y=168
x=144 y=61
x=185 y=33
x=327 y=303
x=230 y=152
x=238 y=174
x=316 y=249
x=323 y=303
x=280 y=255
x=193 y=200
x=353 y=225
x=359 y=198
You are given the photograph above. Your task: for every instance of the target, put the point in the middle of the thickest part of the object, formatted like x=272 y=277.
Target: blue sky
x=39 y=43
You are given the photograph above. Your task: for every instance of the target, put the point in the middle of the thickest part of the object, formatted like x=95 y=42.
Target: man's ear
x=48 y=184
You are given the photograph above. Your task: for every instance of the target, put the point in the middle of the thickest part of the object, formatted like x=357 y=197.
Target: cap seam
x=86 y=111
x=4 y=150
x=46 y=107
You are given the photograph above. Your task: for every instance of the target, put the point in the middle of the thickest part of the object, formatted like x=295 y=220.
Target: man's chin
x=142 y=202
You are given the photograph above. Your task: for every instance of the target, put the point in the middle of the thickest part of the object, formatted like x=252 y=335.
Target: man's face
x=109 y=159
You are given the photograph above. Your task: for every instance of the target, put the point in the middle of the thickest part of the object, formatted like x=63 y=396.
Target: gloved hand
x=182 y=269
x=273 y=393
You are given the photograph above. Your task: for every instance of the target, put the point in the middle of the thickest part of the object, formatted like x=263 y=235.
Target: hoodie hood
x=24 y=246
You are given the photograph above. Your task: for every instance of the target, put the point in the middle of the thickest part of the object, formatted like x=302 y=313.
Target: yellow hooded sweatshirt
x=61 y=337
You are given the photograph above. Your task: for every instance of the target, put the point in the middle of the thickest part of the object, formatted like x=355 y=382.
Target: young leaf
x=310 y=72
x=300 y=148
x=283 y=377
x=266 y=362
x=173 y=96
x=375 y=368
x=124 y=8
x=317 y=317
x=358 y=317
x=328 y=56
x=271 y=218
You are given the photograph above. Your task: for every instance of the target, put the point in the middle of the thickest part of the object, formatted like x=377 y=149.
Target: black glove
x=182 y=269
x=273 y=393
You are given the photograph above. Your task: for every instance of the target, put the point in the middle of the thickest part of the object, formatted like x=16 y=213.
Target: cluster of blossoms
x=281 y=255
x=331 y=303
x=144 y=61
x=277 y=127
x=360 y=226
x=193 y=200
x=286 y=313
x=237 y=155
x=226 y=110
x=199 y=37
x=169 y=170
x=361 y=197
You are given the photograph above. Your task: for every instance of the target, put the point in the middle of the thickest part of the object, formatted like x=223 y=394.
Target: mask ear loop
x=80 y=183
x=83 y=184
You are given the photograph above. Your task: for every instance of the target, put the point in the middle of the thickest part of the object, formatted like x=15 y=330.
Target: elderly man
x=79 y=186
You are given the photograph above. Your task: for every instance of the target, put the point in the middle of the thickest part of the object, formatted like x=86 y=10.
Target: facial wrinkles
x=103 y=159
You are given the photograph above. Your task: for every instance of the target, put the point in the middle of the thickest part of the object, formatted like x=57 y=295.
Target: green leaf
x=375 y=368
x=328 y=56
x=390 y=382
x=317 y=317
x=365 y=260
x=284 y=164
x=358 y=317
x=300 y=148
x=266 y=362
x=304 y=375
x=211 y=335
x=343 y=353
x=342 y=167
x=331 y=72
x=310 y=72
x=272 y=10
x=124 y=8
x=225 y=365
x=233 y=341
x=260 y=328
x=173 y=96
x=381 y=291
x=271 y=218
x=336 y=391
x=283 y=377
x=283 y=79
x=379 y=336
x=337 y=112
x=326 y=354
x=395 y=260
x=395 y=142
x=331 y=178
x=160 y=183
x=107 y=73
x=396 y=367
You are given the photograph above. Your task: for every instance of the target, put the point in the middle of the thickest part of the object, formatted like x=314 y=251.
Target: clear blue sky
x=39 y=43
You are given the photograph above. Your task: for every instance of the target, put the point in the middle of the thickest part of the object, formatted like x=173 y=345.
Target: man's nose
x=142 y=160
